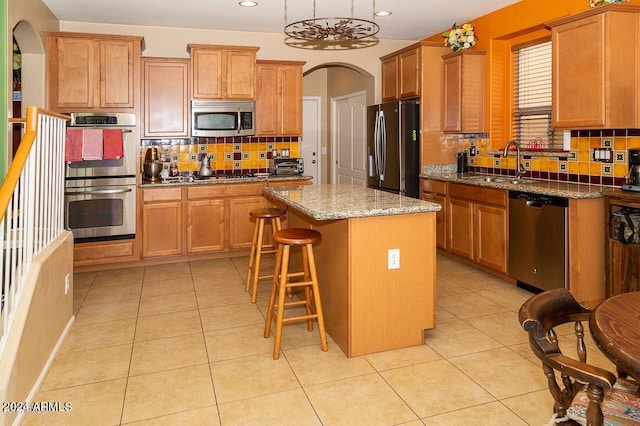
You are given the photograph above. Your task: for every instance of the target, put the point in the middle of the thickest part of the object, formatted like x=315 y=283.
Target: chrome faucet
x=520 y=171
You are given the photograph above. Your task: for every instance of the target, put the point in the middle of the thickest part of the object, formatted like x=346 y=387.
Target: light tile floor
x=182 y=344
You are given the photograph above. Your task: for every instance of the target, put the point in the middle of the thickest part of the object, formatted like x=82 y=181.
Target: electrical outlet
x=67 y=284
x=393 y=260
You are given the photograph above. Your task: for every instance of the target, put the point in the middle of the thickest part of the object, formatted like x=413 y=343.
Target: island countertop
x=342 y=201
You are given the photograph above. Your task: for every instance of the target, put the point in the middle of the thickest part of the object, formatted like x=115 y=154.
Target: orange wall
x=522 y=16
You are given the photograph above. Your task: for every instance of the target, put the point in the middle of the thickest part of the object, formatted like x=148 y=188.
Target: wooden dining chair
x=586 y=394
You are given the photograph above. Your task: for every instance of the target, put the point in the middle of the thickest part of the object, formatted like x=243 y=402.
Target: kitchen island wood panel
x=367 y=307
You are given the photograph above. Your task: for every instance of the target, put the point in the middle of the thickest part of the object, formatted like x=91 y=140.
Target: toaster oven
x=286 y=166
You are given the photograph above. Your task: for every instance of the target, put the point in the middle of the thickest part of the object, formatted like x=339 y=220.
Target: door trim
x=318 y=101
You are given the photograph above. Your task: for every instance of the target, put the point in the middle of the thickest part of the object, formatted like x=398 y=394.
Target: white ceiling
x=410 y=19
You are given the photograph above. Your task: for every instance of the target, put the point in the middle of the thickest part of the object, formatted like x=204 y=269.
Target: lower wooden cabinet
x=240 y=227
x=162 y=226
x=477 y=225
x=622 y=247
x=205 y=225
x=436 y=192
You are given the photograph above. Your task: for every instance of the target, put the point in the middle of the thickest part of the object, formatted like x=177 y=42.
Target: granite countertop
x=187 y=180
x=342 y=201
x=559 y=189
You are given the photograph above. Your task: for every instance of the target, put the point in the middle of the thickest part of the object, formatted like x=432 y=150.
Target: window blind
x=533 y=97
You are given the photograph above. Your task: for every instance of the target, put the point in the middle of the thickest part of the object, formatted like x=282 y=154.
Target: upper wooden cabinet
x=165 y=97
x=222 y=72
x=401 y=74
x=464 y=91
x=92 y=72
x=279 y=98
x=595 y=62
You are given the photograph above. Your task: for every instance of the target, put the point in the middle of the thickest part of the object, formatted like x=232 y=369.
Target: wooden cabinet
x=240 y=227
x=595 y=61
x=436 y=192
x=162 y=226
x=102 y=252
x=279 y=98
x=464 y=83
x=165 y=104
x=401 y=73
x=92 y=72
x=622 y=254
x=205 y=225
x=477 y=225
x=222 y=72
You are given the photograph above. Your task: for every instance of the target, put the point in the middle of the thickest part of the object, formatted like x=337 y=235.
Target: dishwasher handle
x=539 y=200
x=535 y=204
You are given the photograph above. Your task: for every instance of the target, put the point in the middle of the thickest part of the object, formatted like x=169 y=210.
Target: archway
x=333 y=80
x=32 y=73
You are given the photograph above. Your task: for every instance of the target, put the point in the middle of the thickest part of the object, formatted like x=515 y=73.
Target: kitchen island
x=369 y=307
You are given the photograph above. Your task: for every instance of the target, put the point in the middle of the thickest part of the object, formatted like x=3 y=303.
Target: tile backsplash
x=239 y=154
x=579 y=164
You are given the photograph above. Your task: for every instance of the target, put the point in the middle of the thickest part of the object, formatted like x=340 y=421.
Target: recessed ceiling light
x=247 y=3
x=383 y=13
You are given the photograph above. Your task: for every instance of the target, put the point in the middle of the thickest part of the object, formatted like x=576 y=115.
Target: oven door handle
x=99 y=191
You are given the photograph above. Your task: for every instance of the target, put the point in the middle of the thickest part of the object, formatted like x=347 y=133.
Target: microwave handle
x=239 y=121
x=99 y=191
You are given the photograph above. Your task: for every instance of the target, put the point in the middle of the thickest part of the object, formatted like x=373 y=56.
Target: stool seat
x=263 y=216
x=297 y=236
x=267 y=213
x=286 y=239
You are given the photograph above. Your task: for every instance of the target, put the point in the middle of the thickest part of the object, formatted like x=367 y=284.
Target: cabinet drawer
x=217 y=191
x=479 y=194
x=434 y=186
x=162 y=194
x=103 y=251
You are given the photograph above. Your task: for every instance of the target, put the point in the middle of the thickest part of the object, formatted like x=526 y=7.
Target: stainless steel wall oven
x=100 y=194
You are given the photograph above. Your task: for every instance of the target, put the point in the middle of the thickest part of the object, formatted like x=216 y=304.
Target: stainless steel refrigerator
x=393 y=147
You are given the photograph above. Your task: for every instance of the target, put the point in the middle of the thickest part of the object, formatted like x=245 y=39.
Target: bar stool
x=285 y=239
x=258 y=247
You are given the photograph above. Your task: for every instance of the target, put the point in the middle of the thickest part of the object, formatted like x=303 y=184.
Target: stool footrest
x=301 y=318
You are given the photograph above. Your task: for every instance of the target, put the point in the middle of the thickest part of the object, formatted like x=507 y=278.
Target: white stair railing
x=32 y=205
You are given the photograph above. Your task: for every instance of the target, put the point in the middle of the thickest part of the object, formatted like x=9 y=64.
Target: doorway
x=349 y=136
x=311 y=145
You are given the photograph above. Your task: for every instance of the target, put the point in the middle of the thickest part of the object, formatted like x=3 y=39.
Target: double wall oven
x=100 y=194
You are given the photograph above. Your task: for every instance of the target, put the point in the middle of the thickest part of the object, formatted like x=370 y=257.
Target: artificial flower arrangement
x=460 y=37
x=596 y=3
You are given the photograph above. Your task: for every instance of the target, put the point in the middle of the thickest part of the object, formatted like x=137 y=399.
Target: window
x=532 y=97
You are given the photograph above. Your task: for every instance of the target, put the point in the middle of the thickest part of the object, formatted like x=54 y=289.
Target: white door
x=311 y=142
x=349 y=139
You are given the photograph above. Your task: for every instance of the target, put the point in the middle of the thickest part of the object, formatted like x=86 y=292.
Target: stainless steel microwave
x=223 y=118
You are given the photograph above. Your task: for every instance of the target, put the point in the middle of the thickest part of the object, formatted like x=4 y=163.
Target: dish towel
x=112 y=144
x=73 y=145
x=92 y=144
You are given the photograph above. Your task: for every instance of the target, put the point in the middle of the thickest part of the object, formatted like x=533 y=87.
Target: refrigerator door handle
x=376 y=144
x=383 y=146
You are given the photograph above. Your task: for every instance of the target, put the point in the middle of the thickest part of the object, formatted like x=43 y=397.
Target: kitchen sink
x=503 y=179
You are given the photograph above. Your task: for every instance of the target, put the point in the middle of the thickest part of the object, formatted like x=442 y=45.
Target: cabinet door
x=240 y=74
x=491 y=237
x=162 y=229
x=441 y=217
x=390 y=79
x=268 y=101
x=205 y=226
x=240 y=226
x=409 y=74
x=460 y=227
x=72 y=70
x=116 y=74
x=291 y=92
x=207 y=73
x=166 y=97
x=452 y=94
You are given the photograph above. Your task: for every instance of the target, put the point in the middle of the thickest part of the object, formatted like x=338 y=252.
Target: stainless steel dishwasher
x=538 y=254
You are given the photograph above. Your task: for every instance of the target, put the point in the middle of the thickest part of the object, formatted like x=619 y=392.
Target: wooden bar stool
x=258 y=246
x=285 y=239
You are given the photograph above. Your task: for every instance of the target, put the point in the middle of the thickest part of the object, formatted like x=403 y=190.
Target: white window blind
x=532 y=97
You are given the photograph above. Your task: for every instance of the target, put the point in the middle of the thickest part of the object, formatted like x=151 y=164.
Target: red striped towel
x=112 y=144
x=73 y=145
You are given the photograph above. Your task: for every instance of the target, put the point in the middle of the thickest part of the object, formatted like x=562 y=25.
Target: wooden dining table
x=615 y=327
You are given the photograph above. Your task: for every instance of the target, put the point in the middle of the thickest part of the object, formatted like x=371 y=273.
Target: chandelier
x=337 y=31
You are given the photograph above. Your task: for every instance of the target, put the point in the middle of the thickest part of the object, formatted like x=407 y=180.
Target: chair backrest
x=538 y=316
